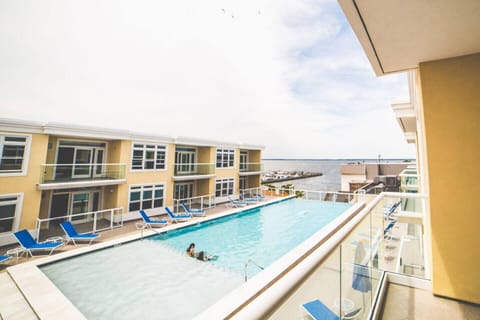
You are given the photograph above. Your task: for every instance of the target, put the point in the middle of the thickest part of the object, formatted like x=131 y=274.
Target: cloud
x=287 y=74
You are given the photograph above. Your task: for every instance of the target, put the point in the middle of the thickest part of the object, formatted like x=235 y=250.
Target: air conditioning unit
x=391 y=181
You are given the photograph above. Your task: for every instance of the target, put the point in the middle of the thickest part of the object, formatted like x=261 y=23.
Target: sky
x=289 y=75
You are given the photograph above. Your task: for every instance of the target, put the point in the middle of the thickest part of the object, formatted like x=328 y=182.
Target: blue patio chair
x=29 y=244
x=236 y=203
x=193 y=212
x=149 y=223
x=318 y=311
x=388 y=230
x=388 y=211
x=4 y=258
x=251 y=200
x=73 y=235
x=177 y=217
x=260 y=197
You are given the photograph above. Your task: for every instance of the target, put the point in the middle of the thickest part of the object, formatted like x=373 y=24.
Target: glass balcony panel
x=57 y=173
x=323 y=284
x=251 y=166
x=187 y=169
x=87 y=222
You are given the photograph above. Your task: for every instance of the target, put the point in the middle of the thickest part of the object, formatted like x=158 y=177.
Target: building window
x=9 y=205
x=146 y=197
x=183 y=190
x=225 y=158
x=13 y=153
x=224 y=187
x=149 y=157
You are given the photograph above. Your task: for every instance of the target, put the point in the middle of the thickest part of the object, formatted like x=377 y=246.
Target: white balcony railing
x=343 y=265
x=58 y=173
x=84 y=222
x=188 y=169
x=198 y=202
x=251 y=166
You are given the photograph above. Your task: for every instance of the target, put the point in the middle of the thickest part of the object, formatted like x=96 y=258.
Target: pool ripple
x=153 y=282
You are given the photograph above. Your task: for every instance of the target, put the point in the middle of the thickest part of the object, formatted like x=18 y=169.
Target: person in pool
x=202 y=255
x=191 y=250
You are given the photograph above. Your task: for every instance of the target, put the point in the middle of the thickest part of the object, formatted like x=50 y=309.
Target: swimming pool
x=154 y=279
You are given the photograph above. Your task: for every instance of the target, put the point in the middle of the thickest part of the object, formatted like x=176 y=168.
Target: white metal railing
x=54 y=173
x=332 y=196
x=85 y=222
x=186 y=169
x=342 y=265
x=251 y=192
x=198 y=202
x=251 y=166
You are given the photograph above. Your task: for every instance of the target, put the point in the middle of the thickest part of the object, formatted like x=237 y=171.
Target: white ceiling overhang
x=397 y=35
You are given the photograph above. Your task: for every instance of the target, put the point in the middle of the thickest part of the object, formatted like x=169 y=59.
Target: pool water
x=263 y=234
x=154 y=279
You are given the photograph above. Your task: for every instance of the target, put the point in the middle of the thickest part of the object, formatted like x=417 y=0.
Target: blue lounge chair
x=29 y=244
x=193 y=212
x=73 y=235
x=260 y=197
x=4 y=258
x=236 y=203
x=250 y=200
x=388 y=229
x=149 y=223
x=177 y=217
x=318 y=311
x=388 y=211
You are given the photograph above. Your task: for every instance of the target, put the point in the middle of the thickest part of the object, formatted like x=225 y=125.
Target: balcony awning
x=79 y=184
x=398 y=35
x=193 y=177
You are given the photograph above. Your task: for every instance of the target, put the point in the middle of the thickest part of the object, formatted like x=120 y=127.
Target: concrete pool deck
x=28 y=294
x=13 y=304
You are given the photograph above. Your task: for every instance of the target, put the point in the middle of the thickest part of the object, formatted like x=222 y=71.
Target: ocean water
x=329 y=181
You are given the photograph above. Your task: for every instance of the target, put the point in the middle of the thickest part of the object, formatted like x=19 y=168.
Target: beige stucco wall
x=254 y=156
x=144 y=177
x=28 y=184
x=347 y=178
x=451 y=104
x=254 y=181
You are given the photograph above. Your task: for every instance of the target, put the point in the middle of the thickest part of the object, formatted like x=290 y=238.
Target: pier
x=280 y=177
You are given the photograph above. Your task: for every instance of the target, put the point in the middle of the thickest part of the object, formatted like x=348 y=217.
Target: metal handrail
x=246 y=266
x=206 y=201
x=255 y=300
x=60 y=172
x=113 y=211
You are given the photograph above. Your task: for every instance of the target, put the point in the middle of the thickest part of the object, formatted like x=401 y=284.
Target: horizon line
x=338 y=159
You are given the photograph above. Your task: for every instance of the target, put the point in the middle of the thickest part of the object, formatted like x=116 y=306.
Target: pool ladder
x=246 y=267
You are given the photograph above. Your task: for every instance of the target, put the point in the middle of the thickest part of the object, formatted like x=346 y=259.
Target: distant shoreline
x=341 y=159
x=292 y=178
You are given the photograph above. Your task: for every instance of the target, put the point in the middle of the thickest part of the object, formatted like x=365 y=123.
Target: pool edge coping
x=236 y=300
x=47 y=300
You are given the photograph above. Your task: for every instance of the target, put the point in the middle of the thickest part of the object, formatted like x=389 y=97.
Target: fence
x=84 y=222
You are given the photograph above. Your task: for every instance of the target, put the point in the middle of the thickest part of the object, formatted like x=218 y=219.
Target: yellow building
x=438 y=44
x=97 y=175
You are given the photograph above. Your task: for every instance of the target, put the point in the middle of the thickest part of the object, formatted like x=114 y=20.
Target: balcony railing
x=190 y=169
x=409 y=182
x=251 y=167
x=58 y=173
x=198 y=202
x=345 y=265
x=84 y=223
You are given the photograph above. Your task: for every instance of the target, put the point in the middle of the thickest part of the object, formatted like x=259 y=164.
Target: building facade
x=439 y=47
x=52 y=170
